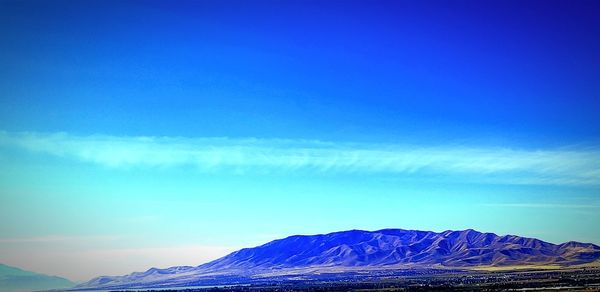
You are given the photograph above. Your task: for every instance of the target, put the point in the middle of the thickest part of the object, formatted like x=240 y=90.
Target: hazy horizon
x=139 y=134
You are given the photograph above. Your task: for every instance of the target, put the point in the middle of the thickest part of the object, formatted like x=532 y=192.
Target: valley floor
x=541 y=280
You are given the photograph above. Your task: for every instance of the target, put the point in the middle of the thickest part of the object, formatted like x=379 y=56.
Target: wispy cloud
x=56 y=238
x=568 y=166
x=543 y=205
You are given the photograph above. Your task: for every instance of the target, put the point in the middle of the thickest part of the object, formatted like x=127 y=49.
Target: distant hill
x=16 y=280
x=364 y=250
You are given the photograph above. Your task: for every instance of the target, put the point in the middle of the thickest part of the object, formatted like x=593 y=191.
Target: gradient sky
x=136 y=134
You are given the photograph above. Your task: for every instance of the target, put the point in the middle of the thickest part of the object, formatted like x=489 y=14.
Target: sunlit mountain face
x=155 y=134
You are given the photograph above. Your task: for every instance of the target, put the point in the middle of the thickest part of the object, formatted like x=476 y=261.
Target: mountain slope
x=16 y=280
x=396 y=246
x=357 y=249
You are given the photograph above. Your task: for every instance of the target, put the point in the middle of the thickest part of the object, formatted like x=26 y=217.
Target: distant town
x=582 y=279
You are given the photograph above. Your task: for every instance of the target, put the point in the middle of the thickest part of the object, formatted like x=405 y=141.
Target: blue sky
x=144 y=133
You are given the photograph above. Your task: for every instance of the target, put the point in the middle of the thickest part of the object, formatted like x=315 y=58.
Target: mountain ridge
x=13 y=279
x=367 y=250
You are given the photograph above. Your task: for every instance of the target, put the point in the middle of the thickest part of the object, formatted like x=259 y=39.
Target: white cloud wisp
x=568 y=166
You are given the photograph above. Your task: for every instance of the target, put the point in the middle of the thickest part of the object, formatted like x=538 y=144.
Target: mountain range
x=16 y=280
x=357 y=250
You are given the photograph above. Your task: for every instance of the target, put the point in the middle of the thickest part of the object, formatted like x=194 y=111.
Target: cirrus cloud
x=567 y=165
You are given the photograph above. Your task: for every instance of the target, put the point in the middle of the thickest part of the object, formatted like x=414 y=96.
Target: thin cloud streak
x=57 y=238
x=542 y=205
x=563 y=166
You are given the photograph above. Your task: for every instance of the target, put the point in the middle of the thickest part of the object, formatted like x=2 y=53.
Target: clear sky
x=136 y=134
